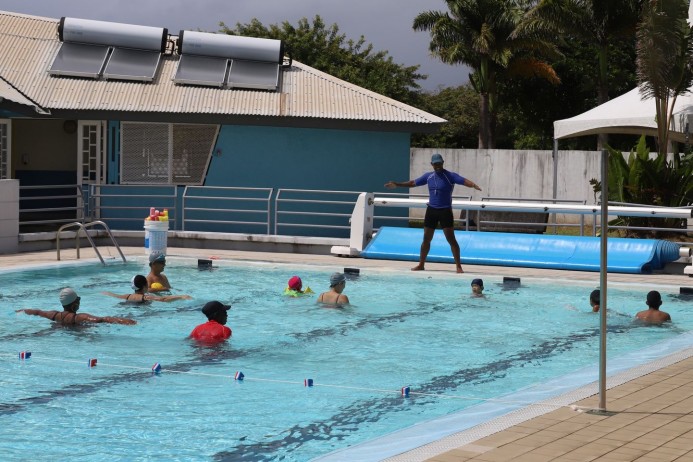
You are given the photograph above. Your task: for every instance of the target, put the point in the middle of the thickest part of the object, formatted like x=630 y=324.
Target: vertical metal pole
x=554 y=194
x=602 y=280
x=555 y=169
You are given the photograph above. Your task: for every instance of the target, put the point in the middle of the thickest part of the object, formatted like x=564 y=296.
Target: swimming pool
x=418 y=330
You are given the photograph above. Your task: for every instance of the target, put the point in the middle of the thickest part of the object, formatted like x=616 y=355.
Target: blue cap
x=157 y=257
x=436 y=159
x=336 y=279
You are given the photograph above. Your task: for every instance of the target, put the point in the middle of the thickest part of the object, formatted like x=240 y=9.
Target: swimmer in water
x=156 y=279
x=139 y=285
x=295 y=288
x=215 y=329
x=334 y=296
x=477 y=287
x=69 y=316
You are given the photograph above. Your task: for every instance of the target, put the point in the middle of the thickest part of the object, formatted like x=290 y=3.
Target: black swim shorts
x=435 y=216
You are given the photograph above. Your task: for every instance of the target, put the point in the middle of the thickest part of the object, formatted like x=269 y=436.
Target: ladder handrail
x=84 y=226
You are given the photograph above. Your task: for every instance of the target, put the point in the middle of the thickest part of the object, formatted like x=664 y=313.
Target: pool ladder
x=83 y=227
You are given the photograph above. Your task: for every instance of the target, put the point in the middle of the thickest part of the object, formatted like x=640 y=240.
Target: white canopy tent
x=629 y=113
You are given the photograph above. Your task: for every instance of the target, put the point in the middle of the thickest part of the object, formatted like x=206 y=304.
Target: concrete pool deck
x=649 y=415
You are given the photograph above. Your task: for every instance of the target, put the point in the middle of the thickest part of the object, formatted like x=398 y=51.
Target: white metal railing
x=66 y=206
x=463 y=221
x=362 y=217
x=124 y=203
x=219 y=205
x=517 y=223
x=295 y=208
x=291 y=211
x=545 y=207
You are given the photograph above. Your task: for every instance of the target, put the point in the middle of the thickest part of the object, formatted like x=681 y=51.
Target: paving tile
x=662 y=455
x=451 y=456
x=625 y=434
x=584 y=453
x=503 y=454
x=501 y=438
x=550 y=451
x=542 y=437
x=576 y=458
x=627 y=453
x=640 y=445
x=568 y=427
x=567 y=444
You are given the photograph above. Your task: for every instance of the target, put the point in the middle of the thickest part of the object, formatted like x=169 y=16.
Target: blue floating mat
x=579 y=253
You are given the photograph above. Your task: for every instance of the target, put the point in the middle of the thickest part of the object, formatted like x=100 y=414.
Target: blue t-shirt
x=440 y=186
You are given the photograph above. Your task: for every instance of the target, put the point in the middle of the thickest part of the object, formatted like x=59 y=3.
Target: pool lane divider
x=239 y=376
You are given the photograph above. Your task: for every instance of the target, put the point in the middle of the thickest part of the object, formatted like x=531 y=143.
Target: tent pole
x=603 y=279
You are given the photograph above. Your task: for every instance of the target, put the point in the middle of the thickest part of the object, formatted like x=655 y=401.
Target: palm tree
x=598 y=22
x=664 y=60
x=477 y=33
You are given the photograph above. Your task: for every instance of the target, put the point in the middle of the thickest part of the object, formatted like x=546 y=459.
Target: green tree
x=530 y=106
x=330 y=51
x=478 y=33
x=460 y=107
x=664 y=67
x=599 y=22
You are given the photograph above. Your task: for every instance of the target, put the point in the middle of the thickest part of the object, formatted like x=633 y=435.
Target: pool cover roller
x=580 y=253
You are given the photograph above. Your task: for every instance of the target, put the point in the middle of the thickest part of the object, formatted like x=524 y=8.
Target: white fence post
x=361 y=227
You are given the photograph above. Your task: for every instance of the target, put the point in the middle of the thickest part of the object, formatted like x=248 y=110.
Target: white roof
x=629 y=114
x=9 y=93
x=306 y=95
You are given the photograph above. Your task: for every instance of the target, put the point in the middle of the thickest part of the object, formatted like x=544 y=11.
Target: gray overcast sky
x=387 y=24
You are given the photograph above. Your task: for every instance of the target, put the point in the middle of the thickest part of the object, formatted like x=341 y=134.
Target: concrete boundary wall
x=9 y=216
x=522 y=174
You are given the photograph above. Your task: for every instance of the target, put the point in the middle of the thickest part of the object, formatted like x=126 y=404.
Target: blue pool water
x=418 y=330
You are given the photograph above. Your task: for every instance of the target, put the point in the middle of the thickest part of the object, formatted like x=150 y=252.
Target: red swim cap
x=295 y=283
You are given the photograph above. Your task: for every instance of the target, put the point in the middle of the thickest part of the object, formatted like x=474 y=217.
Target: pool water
x=418 y=330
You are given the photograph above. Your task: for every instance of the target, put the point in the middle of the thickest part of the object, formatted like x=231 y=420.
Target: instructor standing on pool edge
x=439 y=210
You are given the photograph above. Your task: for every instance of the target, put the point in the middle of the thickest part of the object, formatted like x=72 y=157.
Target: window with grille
x=153 y=153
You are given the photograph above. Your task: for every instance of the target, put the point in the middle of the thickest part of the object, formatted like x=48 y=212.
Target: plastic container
x=155 y=236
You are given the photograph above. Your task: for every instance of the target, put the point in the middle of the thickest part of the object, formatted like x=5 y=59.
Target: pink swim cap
x=295 y=283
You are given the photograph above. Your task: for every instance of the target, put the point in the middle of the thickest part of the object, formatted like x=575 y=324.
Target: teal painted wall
x=288 y=158
x=270 y=157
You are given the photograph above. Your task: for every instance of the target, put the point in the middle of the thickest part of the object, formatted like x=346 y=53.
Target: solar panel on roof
x=201 y=70
x=253 y=74
x=116 y=51
x=79 y=60
x=129 y=64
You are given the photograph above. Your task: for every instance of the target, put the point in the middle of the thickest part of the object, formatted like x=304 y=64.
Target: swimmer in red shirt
x=214 y=330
